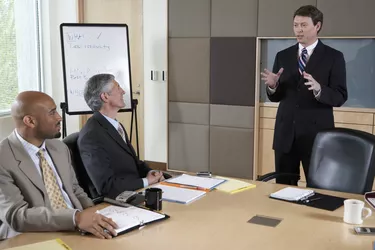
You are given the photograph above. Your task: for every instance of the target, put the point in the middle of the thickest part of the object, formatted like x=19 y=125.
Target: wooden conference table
x=219 y=221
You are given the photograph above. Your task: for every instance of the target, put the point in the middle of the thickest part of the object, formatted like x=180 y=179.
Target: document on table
x=196 y=181
x=292 y=194
x=128 y=218
x=370 y=198
x=55 y=244
x=178 y=194
x=233 y=186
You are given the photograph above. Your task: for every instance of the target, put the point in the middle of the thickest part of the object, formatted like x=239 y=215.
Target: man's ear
x=29 y=121
x=104 y=97
x=318 y=26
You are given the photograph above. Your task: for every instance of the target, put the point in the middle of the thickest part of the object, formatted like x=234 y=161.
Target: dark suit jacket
x=300 y=114
x=111 y=163
x=24 y=202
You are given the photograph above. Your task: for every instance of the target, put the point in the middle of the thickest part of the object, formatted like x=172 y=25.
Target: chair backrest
x=343 y=160
x=82 y=176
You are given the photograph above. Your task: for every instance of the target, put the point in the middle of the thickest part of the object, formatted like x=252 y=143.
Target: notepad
x=179 y=195
x=292 y=194
x=55 y=244
x=371 y=201
x=233 y=186
x=131 y=217
x=196 y=181
x=370 y=198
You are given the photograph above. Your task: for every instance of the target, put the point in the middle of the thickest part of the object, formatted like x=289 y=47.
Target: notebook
x=370 y=198
x=323 y=201
x=371 y=201
x=56 y=244
x=196 y=181
x=233 y=186
x=292 y=194
x=178 y=194
x=129 y=218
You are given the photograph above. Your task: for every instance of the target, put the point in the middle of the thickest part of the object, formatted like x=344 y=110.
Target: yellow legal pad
x=233 y=186
x=55 y=244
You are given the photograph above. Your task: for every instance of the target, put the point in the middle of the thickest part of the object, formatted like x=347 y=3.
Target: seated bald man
x=38 y=187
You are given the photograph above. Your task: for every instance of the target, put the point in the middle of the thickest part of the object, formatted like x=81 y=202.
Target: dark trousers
x=290 y=162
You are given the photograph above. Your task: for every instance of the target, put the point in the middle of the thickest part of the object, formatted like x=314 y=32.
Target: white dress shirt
x=310 y=50
x=116 y=124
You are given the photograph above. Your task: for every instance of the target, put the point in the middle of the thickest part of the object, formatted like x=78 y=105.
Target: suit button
x=297 y=106
x=294 y=122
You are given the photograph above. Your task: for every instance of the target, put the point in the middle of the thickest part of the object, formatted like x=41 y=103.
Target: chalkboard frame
x=83 y=112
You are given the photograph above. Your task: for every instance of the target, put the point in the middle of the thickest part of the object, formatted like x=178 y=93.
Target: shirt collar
x=28 y=146
x=112 y=121
x=309 y=49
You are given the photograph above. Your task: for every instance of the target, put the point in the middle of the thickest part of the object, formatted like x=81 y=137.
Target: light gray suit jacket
x=24 y=203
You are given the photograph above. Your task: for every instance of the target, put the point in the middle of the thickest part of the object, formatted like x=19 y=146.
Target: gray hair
x=94 y=87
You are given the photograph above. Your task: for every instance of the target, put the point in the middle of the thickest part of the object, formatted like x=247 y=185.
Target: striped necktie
x=302 y=61
x=50 y=182
x=121 y=132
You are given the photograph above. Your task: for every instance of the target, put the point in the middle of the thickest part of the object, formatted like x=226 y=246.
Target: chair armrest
x=273 y=175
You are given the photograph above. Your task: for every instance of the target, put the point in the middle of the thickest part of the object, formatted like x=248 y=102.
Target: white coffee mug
x=353 y=211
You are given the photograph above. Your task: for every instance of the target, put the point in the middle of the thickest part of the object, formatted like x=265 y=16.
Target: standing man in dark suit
x=39 y=189
x=108 y=156
x=308 y=79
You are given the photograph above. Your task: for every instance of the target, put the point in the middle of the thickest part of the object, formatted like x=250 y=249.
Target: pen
x=184 y=186
x=315 y=199
x=307 y=197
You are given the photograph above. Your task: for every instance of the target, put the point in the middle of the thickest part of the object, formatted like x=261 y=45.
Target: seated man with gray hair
x=108 y=156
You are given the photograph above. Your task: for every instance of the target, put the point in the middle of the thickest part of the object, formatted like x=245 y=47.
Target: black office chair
x=341 y=160
x=81 y=174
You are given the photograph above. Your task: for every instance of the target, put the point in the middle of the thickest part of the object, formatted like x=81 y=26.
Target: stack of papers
x=292 y=194
x=179 y=195
x=201 y=182
x=233 y=186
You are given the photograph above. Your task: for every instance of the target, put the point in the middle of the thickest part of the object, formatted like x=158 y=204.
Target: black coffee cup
x=153 y=198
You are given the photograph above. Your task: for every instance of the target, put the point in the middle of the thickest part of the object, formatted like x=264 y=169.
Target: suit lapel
x=293 y=62
x=112 y=131
x=315 y=57
x=59 y=162
x=26 y=164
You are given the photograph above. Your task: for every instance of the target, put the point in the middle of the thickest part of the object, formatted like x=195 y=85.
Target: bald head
x=28 y=103
x=36 y=116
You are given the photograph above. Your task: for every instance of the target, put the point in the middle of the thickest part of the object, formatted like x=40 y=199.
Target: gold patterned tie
x=121 y=132
x=53 y=190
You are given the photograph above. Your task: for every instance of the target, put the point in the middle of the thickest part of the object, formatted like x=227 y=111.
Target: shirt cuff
x=272 y=90
x=145 y=182
x=74 y=217
x=317 y=94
